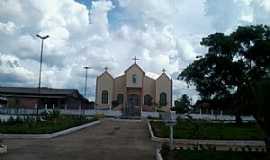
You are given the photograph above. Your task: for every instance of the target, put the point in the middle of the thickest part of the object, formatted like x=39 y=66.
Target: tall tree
x=232 y=65
x=183 y=104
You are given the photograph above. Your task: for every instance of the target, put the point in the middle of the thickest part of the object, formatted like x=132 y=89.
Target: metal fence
x=5 y=112
x=91 y=112
x=29 y=111
x=213 y=117
x=20 y=111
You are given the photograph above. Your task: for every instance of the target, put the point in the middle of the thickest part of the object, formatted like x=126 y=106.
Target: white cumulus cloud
x=163 y=34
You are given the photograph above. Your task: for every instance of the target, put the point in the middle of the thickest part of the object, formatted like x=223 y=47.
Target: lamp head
x=42 y=37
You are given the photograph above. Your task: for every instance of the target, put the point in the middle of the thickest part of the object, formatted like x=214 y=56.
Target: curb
x=125 y=120
x=218 y=143
x=158 y=155
x=3 y=149
x=46 y=136
x=153 y=137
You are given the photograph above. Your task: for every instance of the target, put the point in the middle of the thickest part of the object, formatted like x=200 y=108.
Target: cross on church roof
x=135 y=59
x=106 y=68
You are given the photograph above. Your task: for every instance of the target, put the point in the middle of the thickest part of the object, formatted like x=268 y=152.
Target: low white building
x=3 y=102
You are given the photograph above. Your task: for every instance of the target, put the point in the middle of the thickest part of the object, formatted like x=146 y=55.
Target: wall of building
x=163 y=84
x=139 y=75
x=149 y=87
x=120 y=88
x=22 y=102
x=104 y=82
x=28 y=102
x=31 y=102
x=73 y=104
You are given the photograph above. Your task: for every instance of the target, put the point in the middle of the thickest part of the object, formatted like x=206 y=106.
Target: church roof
x=42 y=92
x=134 y=65
x=166 y=75
x=107 y=73
x=147 y=74
x=152 y=75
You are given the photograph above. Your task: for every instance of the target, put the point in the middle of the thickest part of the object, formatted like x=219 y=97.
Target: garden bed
x=185 y=129
x=30 y=126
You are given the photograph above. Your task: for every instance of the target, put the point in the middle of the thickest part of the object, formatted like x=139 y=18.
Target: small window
x=134 y=78
x=163 y=99
x=104 y=97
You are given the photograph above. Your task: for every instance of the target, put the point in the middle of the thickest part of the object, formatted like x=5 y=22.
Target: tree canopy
x=232 y=66
x=232 y=62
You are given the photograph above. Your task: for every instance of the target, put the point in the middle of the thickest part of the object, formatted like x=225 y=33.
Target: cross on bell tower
x=163 y=70
x=135 y=59
x=106 y=68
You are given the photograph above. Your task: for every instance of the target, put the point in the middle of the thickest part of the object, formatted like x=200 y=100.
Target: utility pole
x=85 y=86
x=40 y=66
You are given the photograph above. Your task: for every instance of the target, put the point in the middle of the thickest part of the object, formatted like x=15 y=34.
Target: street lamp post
x=40 y=64
x=85 y=83
x=170 y=120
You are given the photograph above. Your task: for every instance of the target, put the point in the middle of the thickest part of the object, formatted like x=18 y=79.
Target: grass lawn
x=30 y=126
x=213 y=155
x=185 y=129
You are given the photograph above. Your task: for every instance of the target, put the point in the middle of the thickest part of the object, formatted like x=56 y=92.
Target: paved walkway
x=109 y=140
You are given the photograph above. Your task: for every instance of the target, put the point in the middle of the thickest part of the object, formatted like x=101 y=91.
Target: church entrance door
x=133 y=100
x=133 y=105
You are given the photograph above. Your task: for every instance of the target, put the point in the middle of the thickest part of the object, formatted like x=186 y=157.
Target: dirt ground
x=111 y=139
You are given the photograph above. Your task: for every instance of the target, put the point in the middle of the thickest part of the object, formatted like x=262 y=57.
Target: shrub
x=10 y=121
x=195 y=147
x=53 y=115
x=99 y=115
x=18 y=120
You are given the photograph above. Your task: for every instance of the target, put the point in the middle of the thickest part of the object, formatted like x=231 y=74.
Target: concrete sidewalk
x=109 y=140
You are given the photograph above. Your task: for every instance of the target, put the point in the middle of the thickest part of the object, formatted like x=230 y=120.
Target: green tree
x=183 y=104
x=232 y=66
x=261 y=100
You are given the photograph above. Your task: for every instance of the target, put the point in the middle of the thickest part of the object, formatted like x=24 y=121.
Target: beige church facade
x=134 y=90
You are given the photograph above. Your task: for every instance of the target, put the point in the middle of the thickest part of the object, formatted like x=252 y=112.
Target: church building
x=134 y=90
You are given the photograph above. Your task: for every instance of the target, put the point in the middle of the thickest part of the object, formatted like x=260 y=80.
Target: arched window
x=163 y=99
x=148 y=100
x=104 y=97
x=120 y=98
x=134 y=78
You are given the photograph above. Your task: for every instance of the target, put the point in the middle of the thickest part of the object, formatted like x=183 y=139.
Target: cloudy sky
x=162 y=33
